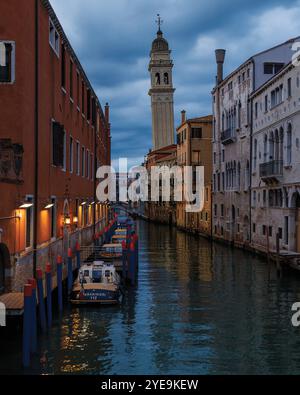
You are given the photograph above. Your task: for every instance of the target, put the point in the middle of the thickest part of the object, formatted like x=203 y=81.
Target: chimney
x=220 y=57
x=107 y=113
x=183 y=117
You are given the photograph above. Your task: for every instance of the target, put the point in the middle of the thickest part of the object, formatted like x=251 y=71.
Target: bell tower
x=162 y=91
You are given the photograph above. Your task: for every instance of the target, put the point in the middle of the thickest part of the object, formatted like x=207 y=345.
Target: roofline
x=251 y=59
x=270 y=81
x=58 y=26
x=195 y=120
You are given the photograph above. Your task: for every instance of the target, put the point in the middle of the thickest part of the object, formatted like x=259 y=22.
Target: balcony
x=228 y=136
x=271 y=171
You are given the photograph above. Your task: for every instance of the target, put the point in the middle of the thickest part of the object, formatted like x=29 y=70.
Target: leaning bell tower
x=162 y=91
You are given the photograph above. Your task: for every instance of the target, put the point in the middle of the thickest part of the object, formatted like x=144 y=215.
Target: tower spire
x=159 y=22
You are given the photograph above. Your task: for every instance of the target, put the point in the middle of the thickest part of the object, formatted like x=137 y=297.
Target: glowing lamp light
x=75 y=220
x=83 y=204
x=67 y=220
x=49 y=206
x=26 y=205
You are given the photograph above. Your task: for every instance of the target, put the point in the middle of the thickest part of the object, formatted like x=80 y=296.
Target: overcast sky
x=113 y=38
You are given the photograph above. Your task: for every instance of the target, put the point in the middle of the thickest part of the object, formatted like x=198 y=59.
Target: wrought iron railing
x=271 y=169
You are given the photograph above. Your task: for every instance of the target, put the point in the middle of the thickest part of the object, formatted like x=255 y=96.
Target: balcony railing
x=271 y=170
x=228 y=136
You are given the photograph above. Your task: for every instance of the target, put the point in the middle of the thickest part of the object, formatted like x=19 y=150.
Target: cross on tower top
x=159 y=22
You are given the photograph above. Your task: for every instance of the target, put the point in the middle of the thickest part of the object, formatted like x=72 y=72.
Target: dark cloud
x=113 y=41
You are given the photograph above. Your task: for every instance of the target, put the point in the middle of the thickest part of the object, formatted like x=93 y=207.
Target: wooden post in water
x=78 y=255
x=33 y=337
x=49 y=293
x=70 y=271
x=124 y=260
x=268 y=245
x=27 y=317
x=278 y=266
x=59 y=273
x=42 y=311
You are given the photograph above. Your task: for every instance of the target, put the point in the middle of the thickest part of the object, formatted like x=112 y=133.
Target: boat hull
x=95 y=296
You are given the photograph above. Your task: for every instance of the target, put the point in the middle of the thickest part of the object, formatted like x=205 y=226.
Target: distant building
x=194 y=148
x=232 y=140
x=163 y=212
x=53 y=136
x=275 y=203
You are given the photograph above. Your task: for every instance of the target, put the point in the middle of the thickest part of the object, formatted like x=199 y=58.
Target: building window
x=280 y=233
x=88 y=115
x=270 y=231
x=223 y=155
x=254 y=228
x=277 y=96
x=196 y=133
x=29 y=224
x=71 y=157
x=78 y=89
x=286 y=230
x=92 y=167
x=255 y=155
x=53 y=38
x=53 y=218
x=215 y=210
x=71 y=79
x=266 y=103
x=254 y=198
x=58 y=145
x=78 y=158
x=7 y=62
x=82 y=97
x=272 y=68
x=87 y=164
x=222 y=210
x=264 y=230
x=82 y=162
x=289 y=87
x=63 y=67
x=289 y=145
x=256 y=110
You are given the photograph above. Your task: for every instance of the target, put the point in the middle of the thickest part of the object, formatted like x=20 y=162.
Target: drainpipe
x=36 y=139
x=251 y=155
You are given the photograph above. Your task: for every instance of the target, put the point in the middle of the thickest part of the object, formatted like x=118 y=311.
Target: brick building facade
x=53 y=136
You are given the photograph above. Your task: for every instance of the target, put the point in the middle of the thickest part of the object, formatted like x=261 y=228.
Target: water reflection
x=197 y=309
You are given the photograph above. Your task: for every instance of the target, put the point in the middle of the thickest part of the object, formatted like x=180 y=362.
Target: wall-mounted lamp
x=67 y=220
x=83 y=204
x=75 y=220
x=26 y=205
x=50 y=205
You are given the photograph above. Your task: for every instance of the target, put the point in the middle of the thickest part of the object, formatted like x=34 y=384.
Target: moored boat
x=97 y=283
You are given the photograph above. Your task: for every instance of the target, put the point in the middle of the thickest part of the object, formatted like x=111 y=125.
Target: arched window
x=265 y=148
x=289 y=145
x=271 y=146
x=166 y=79
x=157 y=79
x=276 y=148
x=255 y=155
x=234 y=174
x=239 y=176
x=281 y=138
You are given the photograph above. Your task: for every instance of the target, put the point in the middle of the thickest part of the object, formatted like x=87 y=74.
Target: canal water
x=198 y=308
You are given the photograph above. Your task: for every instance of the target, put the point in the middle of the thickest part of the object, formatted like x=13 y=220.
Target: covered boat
x=97 y=283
